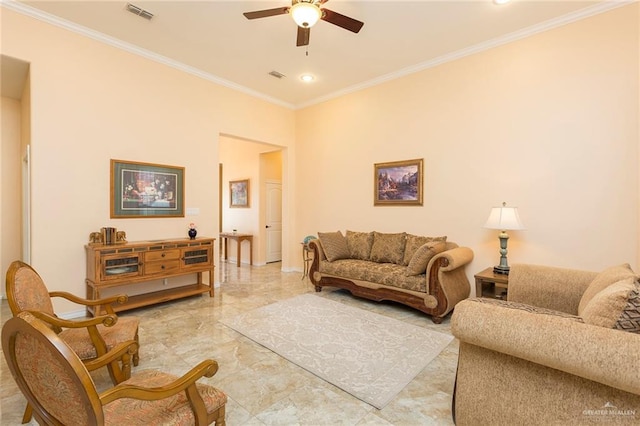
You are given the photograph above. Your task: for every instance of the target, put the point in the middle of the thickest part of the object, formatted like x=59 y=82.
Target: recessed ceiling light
x=501 y=1
x=307 y=78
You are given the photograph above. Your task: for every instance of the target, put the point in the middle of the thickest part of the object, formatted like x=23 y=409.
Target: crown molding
x=587 y=12
x=128 y=47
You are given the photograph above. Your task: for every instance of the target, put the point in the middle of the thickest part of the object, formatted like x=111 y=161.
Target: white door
x=274 y=221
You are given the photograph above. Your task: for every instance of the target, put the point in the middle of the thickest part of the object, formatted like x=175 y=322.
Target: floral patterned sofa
x=425 y=273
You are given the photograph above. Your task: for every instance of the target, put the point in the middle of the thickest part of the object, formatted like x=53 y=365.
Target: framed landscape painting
x=239 y=193
x=398 y=183
x=146 y=190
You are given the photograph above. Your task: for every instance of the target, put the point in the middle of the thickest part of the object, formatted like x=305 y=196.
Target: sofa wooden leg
x=437 y=320
x=318 y=288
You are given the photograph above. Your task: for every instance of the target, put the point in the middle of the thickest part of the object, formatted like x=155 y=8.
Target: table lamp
x=505 y=219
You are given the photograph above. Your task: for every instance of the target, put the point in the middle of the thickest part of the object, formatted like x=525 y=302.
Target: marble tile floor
x=263 y=388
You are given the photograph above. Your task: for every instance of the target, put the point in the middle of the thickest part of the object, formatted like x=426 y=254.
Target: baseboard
x=233 y=261
x=81 y=313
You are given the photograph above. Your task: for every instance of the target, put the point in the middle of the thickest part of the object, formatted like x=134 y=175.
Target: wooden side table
x=239 y=238
x=489 y=284
x=307 y=258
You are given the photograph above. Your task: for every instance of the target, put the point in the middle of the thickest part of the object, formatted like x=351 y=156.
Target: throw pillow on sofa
x=359 y=244
x=603 y=280
x=388 y=248
x=414 y=242
x=334 y=245
x=422 y=256
x=617 y=306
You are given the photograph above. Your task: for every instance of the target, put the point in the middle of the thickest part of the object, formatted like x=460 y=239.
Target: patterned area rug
x=368 y=355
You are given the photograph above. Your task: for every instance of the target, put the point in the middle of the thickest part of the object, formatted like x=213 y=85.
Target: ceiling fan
x=306 y=13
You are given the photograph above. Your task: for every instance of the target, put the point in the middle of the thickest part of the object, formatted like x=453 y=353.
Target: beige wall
x=548 y=124
x=271 y=165
x=25 y=145
x=10 y=247
x=90 y=103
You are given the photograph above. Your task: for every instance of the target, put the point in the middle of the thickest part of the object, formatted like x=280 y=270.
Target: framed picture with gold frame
x=146 y=190
x=239 y=193
x=398 y=183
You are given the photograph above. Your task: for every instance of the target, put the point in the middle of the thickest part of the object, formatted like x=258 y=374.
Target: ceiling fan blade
x=303 y=36
x=267 y=12
x=342 y=21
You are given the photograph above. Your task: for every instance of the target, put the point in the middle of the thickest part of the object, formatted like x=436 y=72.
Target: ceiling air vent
x=139 y=11
x=276 y=74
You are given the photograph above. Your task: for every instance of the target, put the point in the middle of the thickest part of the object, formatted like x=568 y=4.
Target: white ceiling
x=213 y=39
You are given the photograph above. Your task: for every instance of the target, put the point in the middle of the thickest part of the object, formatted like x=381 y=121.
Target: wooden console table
x=238 y=238
x=129 y=263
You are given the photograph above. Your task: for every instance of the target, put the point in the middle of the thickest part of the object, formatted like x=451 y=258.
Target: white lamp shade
x=504 y=218
x=305 y=14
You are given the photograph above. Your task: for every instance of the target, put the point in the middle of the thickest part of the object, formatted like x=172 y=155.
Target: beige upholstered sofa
x=563 y=349
x=425 y=273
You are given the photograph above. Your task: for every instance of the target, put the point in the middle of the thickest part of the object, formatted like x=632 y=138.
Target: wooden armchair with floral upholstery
x=90 y=338
x=59 y=388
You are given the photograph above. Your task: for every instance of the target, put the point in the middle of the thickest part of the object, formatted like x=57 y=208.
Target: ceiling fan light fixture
x=305 y=14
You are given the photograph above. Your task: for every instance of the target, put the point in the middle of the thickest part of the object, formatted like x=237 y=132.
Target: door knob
x=268 y=226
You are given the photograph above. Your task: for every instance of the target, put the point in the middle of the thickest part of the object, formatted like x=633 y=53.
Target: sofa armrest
x=446 y=278
x=456 y=258
x=554 y=341
x=318 y=250
x=548 y=287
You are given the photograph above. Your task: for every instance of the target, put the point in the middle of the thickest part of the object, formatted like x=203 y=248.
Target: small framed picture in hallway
x=239 y=193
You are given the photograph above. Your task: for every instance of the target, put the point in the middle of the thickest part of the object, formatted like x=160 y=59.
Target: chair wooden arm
x=90 y=324
x=119 y=299
x=106 y=320
x=96 y=338
x=118 y=360
x=206 y=368
x=124 y=349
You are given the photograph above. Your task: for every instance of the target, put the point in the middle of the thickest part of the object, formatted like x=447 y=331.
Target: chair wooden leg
x=126 y=367
x=119 y=371
x=28 y=411
x=220 y=421
x=115 y=373
x=136 y=356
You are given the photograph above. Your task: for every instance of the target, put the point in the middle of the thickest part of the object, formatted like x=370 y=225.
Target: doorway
x=261 y=164
x=273 y=221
